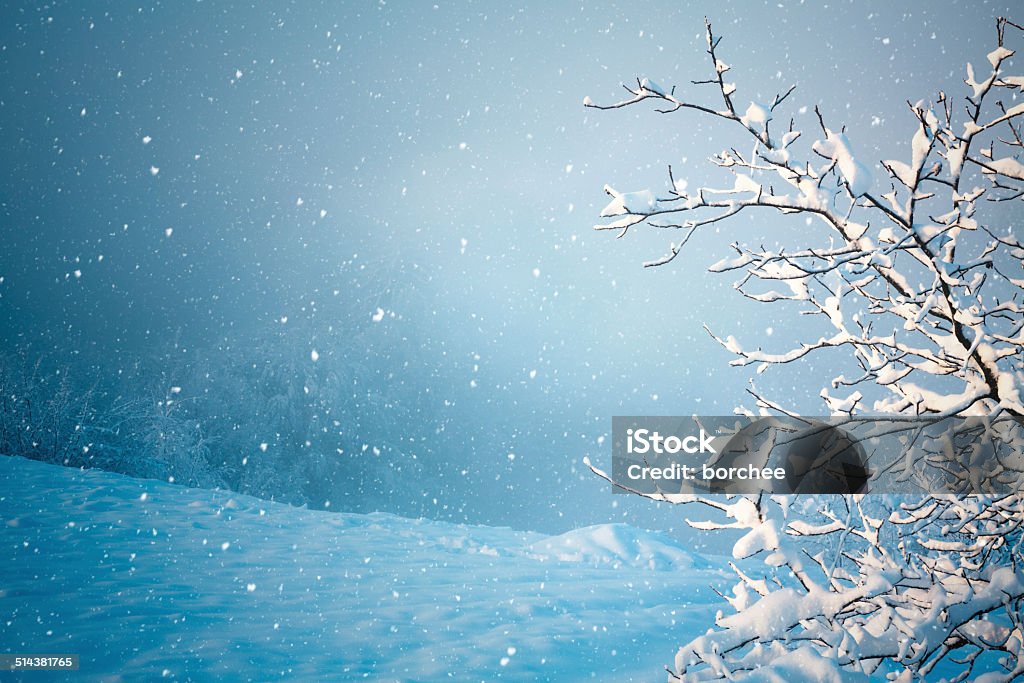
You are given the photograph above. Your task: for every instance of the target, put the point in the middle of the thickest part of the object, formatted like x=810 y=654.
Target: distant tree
x=293 y=414
x=920 y=282
x=44 y=415
x=304 y=430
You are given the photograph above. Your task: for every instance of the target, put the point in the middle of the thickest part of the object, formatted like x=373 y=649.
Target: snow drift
x=146 y=580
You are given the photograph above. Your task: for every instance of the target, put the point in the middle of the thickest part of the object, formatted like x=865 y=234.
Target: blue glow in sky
x=425 y=179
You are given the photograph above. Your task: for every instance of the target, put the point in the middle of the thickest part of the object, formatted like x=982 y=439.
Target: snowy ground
x=144 y=579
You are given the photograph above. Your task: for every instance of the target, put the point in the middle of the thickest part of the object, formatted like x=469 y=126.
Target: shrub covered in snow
x=919 y=278
x=264 y=416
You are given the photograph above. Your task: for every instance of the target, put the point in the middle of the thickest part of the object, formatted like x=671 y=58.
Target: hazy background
x=180 y=179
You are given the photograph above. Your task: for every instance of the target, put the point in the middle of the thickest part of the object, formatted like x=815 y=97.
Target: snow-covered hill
x=147 y=580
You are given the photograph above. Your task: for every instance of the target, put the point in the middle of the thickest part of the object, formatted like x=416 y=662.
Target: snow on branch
x=922 y=285
x=932 y=287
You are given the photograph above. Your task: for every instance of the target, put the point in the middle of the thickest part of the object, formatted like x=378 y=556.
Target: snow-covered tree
x=918 y=276
x=43 y=414
x=290 y=414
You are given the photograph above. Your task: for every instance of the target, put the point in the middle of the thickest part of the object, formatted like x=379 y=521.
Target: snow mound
x=615 y=546
x=150 y=581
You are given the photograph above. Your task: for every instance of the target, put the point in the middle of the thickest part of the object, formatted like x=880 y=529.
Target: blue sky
x=237 y=165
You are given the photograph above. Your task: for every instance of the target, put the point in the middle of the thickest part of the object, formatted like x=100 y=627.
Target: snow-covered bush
x=919 y=277
x=42 y=411
x=267 y=415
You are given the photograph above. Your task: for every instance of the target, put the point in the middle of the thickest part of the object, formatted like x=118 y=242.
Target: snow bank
x=149 y=581
x=617 y=545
